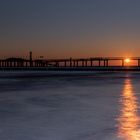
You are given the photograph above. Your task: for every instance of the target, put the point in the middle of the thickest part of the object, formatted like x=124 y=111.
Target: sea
x=97 y=106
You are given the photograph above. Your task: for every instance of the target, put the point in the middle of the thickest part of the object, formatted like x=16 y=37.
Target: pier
x=93 y=63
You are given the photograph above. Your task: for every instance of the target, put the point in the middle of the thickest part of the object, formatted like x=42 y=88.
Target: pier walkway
x=98 y=62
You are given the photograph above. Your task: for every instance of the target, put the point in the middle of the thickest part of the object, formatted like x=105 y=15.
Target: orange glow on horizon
x=127 y=60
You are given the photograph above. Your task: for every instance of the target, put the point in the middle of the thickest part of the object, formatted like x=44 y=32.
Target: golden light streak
x=129 y=121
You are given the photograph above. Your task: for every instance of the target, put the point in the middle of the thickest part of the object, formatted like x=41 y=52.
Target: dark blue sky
x=65 y=28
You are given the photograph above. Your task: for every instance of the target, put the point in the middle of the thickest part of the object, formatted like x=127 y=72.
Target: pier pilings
x=71 y=62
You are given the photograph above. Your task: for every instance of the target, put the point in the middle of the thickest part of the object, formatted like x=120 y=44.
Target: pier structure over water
x=80 y=62
x=70 y=62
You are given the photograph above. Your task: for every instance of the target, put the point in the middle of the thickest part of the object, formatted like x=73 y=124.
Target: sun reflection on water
x=129 y=121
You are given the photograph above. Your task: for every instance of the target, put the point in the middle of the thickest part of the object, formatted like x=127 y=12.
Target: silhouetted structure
x=30 y=58
x=63 y=63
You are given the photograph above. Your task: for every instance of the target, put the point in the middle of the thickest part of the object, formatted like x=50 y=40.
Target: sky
x=69 y=28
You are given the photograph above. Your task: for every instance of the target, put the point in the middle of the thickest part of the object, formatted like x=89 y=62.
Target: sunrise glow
x=127 y=60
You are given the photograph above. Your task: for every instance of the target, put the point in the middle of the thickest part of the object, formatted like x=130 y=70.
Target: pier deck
x=76 y=64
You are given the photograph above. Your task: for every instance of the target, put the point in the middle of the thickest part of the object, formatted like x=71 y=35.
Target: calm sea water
x=102 y=106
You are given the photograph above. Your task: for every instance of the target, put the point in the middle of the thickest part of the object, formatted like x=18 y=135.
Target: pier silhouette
x=94 y=63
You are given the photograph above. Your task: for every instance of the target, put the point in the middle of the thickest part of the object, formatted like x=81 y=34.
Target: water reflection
x=129 y=121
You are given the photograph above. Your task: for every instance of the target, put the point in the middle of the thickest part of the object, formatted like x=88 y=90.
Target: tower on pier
x=30 y=58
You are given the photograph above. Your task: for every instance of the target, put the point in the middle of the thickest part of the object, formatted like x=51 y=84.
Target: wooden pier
x=80 y=62
x=94 y=63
